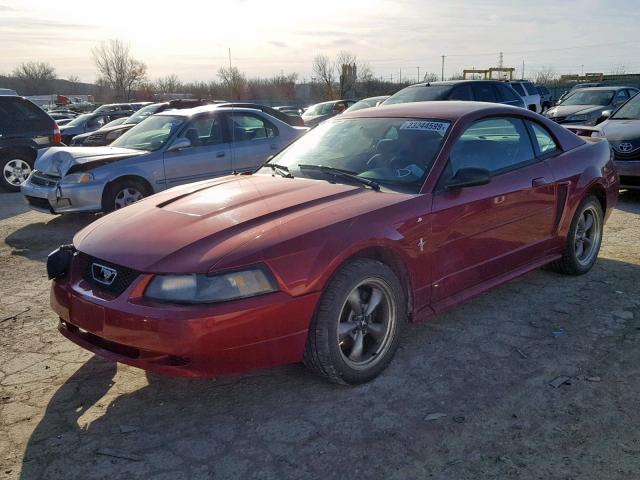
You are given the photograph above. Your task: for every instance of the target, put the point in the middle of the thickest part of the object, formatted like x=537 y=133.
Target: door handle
x=539 y=182
x=220 y=154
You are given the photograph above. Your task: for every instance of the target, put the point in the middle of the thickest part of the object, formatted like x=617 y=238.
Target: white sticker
x=439 y=127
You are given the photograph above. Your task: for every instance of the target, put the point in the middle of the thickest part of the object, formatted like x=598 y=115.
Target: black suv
x=24 y=129
x=493 y=91
x=106 y=135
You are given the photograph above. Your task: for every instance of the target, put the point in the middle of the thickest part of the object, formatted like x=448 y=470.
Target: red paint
x=303 y=230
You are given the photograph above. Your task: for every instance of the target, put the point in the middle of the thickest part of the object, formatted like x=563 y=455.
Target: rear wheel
x=123 y=193
x=356 y=329
x=584 y=239
x=15 y=168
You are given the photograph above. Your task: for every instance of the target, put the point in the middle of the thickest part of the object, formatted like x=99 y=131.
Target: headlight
x=84 y=177
x=578 y=118
x=111 y=136
x=197 y=288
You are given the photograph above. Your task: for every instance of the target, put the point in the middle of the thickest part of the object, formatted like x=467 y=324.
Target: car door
x=207 y=155
x=254 y=138
x=486 y=231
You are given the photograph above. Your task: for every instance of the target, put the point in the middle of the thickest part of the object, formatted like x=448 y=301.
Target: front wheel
x=356 y=329
x=123 y=193
x=584 y=239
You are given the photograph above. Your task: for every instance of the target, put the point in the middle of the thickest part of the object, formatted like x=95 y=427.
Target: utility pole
x=582 y=67
x=501 y=60
x=523 y=69
x=418 y=74
x=400 y=74
x=442 y=72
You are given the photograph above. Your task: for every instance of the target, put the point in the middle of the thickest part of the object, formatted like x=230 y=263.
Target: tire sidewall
x=6 y=158
x=109 y=198
x=332 y=311
x=589 y=201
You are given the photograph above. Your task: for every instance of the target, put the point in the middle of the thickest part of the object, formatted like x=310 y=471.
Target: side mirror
x=468 y=177
x=603 y=116
x=179 y=144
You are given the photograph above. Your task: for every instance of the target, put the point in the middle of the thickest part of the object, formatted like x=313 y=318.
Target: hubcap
x=127 y=196
x=587 y=236
x=16 y=171
x=367 y=323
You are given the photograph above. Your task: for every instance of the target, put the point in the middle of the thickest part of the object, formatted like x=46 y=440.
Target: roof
x=444 y=110
x=188 y=112
x=453 y=82
x=612 y=87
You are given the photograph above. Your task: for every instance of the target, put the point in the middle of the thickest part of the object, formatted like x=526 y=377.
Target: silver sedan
x=167 y=149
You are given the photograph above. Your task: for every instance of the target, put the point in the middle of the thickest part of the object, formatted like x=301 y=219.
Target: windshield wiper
x=338 y=172
x=281 y=170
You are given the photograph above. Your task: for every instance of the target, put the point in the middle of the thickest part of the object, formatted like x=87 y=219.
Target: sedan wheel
x=15 y=172
x=367 y=319
x=126 y=197
x=357 y=325
x=587 y=236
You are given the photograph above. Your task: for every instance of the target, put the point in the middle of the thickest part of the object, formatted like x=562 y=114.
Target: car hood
x=190 y=229
x=565 y=111
x=57 y=161
x=621 y=130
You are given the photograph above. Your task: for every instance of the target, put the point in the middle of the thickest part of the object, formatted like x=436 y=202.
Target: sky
x=191 y=38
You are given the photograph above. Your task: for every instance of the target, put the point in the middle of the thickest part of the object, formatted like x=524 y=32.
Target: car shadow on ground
x=629 y=201
x=36 y=240
x=469 y=364
x=12 y=205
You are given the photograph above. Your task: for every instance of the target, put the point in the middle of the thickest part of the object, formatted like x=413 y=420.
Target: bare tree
x=456 y=76
x=117 y=67
x=235 y=81
x=34 y=77
x=546 y=76
x=430 y=77
x=323 y=71
x=618 y=70
x=169 y=84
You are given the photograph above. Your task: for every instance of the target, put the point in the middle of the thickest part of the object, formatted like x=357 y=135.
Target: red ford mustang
x=375 y=218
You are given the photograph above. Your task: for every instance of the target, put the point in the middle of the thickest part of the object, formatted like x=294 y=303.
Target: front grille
x=36 y=202
x=44 y=180
x=626 y=156
x=558 y=119
x=124 y=276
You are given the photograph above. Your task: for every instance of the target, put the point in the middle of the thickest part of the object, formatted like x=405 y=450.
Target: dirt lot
x=485 y=366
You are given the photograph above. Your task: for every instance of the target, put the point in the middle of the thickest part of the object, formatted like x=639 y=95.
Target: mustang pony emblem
x=103 y=274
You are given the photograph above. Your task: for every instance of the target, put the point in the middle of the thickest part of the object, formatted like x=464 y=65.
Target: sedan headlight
x=111 y=136
x=578 y=118
x=198 y=288
x=73 y=178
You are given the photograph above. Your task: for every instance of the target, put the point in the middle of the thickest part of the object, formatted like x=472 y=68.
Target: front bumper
x=629 y=172
x=56 y=198
x=182 y=340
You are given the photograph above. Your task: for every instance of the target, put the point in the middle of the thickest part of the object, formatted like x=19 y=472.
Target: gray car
x=586 y=105
x=167 y=149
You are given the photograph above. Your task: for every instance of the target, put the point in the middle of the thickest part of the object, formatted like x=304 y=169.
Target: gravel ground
x=468 y=396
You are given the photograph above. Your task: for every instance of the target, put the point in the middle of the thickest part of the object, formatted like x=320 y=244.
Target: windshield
x=142 y=114
x=594 y=97
x=150 y=135
x=630 y=110
x=79 y=120
x=319 y=109
x=397 y=153
x=419 y=94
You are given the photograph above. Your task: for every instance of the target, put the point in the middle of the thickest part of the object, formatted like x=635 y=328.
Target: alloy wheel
x=126 y=197
x=16 y=171
x=367 y=323
x=587 y=236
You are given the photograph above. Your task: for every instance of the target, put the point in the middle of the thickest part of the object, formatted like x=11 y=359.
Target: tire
x=577 y=261
x=122 y=193
x=368 y=337
x=14 y=170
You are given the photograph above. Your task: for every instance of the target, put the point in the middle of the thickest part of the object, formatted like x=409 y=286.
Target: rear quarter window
x=18 y=115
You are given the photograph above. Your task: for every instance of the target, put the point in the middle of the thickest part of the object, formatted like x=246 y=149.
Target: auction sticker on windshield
x=439 y=127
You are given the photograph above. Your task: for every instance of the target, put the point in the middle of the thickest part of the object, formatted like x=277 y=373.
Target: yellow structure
x=487 y=73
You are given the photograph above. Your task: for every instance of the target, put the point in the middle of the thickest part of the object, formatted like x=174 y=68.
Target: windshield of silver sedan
x=396 y=153
x=150 y=134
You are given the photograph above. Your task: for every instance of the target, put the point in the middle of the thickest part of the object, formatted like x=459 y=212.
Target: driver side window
x=203 y=131
x=494 y=144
